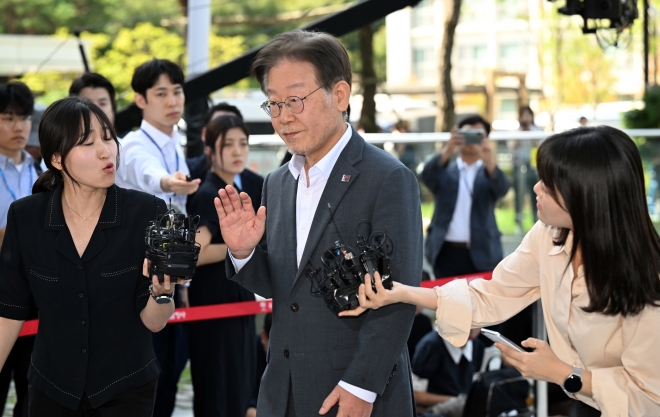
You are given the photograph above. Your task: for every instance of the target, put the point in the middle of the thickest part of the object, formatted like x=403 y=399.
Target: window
x=512 y=57
x=511 y=10
x=469 y=67
x=424 y=63
x=422 y=14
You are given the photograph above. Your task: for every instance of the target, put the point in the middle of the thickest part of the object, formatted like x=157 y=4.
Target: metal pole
x=199 y=31
x=540 y=332
x=646 y=43
x=82 y=50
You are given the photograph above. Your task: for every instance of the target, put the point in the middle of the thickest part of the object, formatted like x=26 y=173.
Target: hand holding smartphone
x=497 y=337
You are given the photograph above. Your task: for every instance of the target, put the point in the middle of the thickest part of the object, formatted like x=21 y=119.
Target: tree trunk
x=368 y=80
x=446 y=117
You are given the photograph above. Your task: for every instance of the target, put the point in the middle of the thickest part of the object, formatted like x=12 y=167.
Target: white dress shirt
x=146 y=156
x=459 y=227
x=456 y=353
x=307 y=201
x=15 y=182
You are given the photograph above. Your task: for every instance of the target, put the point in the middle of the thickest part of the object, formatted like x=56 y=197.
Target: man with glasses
x=17 y=175
x=319 y=362
x=17 y=172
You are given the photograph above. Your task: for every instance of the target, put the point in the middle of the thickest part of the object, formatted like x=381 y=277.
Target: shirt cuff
x=362 y=394
x=239 y=263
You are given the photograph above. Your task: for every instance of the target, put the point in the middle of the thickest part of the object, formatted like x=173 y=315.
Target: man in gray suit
x=319 y=363
x=463 y=237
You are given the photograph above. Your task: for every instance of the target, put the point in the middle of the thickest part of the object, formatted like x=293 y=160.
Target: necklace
x=84 y=218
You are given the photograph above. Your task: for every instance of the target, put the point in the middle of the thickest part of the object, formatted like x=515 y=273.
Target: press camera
x=171 y=246
x=343 y=269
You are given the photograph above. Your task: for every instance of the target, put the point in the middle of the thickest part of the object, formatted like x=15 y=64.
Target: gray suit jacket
x=485 y=243
x=312 y=349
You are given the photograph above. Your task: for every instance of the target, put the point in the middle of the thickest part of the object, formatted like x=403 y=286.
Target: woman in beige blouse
x=593 y=259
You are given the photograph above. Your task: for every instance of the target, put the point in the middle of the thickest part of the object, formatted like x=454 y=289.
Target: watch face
x=163 y=300
x=573 y=384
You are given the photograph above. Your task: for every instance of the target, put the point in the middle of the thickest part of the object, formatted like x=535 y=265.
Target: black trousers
x=453 y=261
x=580 y=409
x=16 y=366
x=171 y=348
x=136 y=403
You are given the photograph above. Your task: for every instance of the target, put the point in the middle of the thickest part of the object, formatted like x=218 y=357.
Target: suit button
x=84 y=350
x=294 y=307
x=81 y=295
x=79 y=266
x=83 y=322
x=286 y=353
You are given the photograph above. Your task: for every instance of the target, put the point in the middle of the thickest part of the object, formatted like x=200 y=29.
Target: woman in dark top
x=77 y=247
x=222 y=352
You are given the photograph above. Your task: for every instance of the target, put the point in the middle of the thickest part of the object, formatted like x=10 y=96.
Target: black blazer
x=485 y=243
x=91 y=339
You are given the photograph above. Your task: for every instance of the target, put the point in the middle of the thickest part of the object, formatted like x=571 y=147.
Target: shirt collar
x=566 y=247
x=326 y=163
x=6 y=161
x=463 y=165
x=456 y=352
x=161 y=138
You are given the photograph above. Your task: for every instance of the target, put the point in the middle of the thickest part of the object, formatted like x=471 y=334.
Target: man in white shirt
x=318 y=362
x=151 y=160
x=463 y=237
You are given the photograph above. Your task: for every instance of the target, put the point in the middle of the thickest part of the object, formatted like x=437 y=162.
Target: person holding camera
x=79 y=255
x=463 y=237
x=593 y=260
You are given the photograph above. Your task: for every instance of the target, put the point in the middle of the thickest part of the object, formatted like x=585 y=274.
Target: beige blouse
x=622 y=353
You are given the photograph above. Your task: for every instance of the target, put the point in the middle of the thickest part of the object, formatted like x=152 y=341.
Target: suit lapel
x=342 y=176
x=287 y=216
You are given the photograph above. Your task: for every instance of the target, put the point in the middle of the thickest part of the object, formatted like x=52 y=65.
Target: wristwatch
x=163 y=298
x=573 y=382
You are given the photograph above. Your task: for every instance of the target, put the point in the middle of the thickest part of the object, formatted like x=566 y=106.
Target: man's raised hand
x=241 y=228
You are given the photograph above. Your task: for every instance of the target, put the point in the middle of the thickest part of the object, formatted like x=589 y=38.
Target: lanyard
x=11 y=191
x=465 y=182
x=176 y=154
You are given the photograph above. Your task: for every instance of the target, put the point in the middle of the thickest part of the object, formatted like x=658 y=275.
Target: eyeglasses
x=10 y=119
x=293 y=103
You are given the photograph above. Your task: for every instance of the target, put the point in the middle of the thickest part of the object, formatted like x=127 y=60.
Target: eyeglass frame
x=16 y=118
x=281 y=104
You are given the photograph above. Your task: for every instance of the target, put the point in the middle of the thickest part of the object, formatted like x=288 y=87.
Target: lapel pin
x=345 y=178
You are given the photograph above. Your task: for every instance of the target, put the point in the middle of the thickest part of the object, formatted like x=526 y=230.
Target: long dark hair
x=65 y=124
x=599 y=174
x=216 y=130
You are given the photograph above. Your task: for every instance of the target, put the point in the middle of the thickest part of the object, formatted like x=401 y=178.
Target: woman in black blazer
x=222 y=352
x=77 y=247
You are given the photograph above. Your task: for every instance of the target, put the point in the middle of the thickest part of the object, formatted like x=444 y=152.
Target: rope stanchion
x=245 y=308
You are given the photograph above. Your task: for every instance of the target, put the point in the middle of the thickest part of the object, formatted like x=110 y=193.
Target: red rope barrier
x=244 y=308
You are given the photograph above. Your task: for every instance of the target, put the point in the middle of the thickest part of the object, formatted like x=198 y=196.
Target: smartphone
x=472 y=136
x=497 y=337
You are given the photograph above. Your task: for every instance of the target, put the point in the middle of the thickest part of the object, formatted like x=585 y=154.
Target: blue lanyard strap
x=11 y=191
x=176 y=154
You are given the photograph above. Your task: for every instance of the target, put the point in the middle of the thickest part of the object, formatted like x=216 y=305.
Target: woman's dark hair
x=598 y=173
x=473 y=120
x=65 y=124
x=147 y=74
x=93 y=80
x=217 y=129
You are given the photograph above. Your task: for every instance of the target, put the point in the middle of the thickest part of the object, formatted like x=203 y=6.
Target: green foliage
x=44 y=17
x=649 y=116
x=117 y=58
